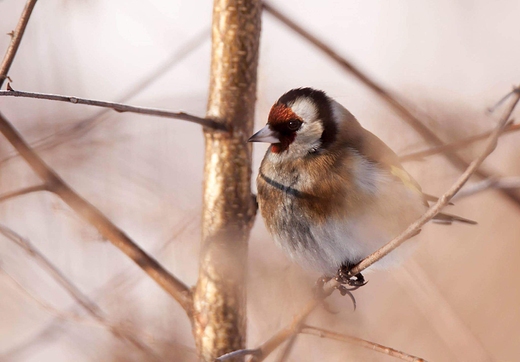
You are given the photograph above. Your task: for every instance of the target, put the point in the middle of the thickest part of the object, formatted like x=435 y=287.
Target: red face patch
x=280 y=113
x=279 y=120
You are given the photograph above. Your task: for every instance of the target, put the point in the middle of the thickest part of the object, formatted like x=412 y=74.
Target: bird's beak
x=265 y=135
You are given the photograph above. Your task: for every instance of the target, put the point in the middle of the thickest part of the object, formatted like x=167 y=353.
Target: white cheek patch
x=308 y=138
x=309 y=134
x=305 y=109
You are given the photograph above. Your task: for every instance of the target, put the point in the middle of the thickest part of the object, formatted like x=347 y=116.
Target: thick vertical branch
x=220 y=295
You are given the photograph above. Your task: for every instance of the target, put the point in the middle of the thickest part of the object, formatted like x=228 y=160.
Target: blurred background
x=456 y=299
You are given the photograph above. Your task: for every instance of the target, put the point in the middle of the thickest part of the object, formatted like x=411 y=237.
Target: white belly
x=328 y=246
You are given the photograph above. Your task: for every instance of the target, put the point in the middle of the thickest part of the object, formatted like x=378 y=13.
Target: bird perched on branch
x=331 y=192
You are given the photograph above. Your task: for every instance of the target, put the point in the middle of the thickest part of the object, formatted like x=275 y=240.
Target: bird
x=329 y=191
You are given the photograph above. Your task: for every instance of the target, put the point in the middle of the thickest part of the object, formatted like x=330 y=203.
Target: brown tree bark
x=219 y=319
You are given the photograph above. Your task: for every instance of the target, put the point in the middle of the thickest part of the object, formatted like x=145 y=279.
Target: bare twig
x=442 y=319
x=178 y=55
x=297 y=326
x=284 y=334
x=119 y=107
x=82 y=127
x=72 y=317
x=16 y=38
x=46 y=306
x=239 y=353
x=260 y=353
x=116 y=283
x=323 y=333
x=24 y=191
x=156 y=271
x=489 y=184
x=419 y=155
x=286 y=352
x=444 y=199
x=72 y=290
x=418 y=125
x=502 y=100
x=52 y=270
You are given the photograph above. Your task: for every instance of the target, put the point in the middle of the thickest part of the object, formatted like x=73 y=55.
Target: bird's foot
x=344 y=278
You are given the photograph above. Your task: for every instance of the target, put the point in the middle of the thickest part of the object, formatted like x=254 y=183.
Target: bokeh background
x=457 y=298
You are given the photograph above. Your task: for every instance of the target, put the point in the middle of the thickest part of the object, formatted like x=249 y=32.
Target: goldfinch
x=330 y=192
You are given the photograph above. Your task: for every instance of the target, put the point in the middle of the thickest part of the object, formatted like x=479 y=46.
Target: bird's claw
x=346 y=291
x=347 y=284
x=355 y=281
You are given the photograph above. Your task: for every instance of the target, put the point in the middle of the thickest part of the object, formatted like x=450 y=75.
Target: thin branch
x=387 y=96
x=127 y=278
x=118 y=107
x=178 y=55
x=16 y=38
x=176 y=288
x=444 y=199
x=440 y=316
x=502 y=100
x=489 y=184
x=71 y=317
x=286 y=333
x=49 y=308
x=236 y=354
x=71 y=289
x=81 y=127
x=323 y=333
x=52 y=270
x=111 y=287
x=260 y=353
x=24 y=191
x=286 y=352
x=419 y=155
x=297 y=326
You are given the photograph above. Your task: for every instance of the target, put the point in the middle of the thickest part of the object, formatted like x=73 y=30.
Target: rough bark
x=219 y=319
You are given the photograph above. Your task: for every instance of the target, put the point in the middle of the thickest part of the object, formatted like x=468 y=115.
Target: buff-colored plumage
x=331 y=192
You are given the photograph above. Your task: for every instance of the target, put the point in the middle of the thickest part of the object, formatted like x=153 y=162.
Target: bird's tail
x=442 y=218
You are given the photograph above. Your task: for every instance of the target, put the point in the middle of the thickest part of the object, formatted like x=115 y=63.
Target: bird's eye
x=294 y=125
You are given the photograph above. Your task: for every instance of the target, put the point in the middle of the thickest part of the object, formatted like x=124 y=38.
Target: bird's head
x=300 y=122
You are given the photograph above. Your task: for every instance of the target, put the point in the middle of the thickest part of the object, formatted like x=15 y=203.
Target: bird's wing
x=378 y=152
